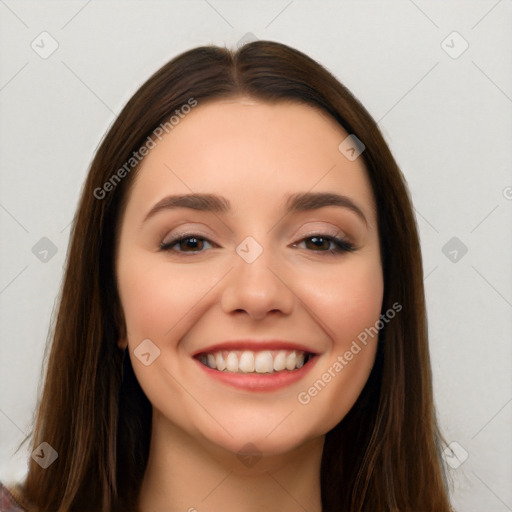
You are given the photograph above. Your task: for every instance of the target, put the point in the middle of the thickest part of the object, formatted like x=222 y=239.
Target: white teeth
x=232 y=362
x=290 y=361
x=246 y=363
x=220 y=364
x=265 y=361
x=280 y=361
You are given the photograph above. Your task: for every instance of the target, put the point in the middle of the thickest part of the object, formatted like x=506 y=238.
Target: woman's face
x=248 y=264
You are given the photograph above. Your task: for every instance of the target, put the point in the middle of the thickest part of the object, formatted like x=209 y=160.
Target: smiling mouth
x=255 y=362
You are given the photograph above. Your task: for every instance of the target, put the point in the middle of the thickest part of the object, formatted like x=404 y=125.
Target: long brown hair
x=383 y=456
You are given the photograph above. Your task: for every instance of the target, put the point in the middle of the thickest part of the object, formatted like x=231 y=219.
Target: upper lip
x=254 y=346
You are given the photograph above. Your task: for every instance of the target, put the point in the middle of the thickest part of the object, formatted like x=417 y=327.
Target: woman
x=242 y=322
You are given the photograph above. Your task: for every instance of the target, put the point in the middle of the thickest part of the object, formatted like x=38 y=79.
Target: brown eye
x=324 y=243
x=318 y=242
x=190 y=244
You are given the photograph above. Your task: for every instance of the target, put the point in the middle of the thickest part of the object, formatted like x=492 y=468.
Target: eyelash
x=342 y=244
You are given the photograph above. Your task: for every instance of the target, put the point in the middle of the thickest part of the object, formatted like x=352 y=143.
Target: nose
x=257 y=289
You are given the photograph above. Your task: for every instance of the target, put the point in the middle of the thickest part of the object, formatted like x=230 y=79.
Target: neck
x=185 y=474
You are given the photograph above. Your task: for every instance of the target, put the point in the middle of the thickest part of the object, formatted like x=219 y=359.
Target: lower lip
x=257 y=381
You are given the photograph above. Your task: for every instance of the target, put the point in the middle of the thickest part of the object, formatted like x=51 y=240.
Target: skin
x=254 y=154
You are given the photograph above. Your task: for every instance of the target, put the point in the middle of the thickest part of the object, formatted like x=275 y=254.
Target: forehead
x=250 y=150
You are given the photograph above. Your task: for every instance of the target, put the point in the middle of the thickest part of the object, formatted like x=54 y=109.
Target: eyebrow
x=300 y=202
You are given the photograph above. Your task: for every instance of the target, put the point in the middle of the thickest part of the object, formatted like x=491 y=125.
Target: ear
x=122 y=340
x=122 y=343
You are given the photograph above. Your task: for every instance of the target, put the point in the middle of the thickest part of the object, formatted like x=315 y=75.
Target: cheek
x=348 y=300
x=156 y=297
x=349 y=307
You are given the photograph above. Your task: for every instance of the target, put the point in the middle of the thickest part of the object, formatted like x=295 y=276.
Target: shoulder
x=8 y=501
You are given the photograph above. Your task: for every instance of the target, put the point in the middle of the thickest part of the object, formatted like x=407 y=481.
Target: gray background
x=446 y=115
